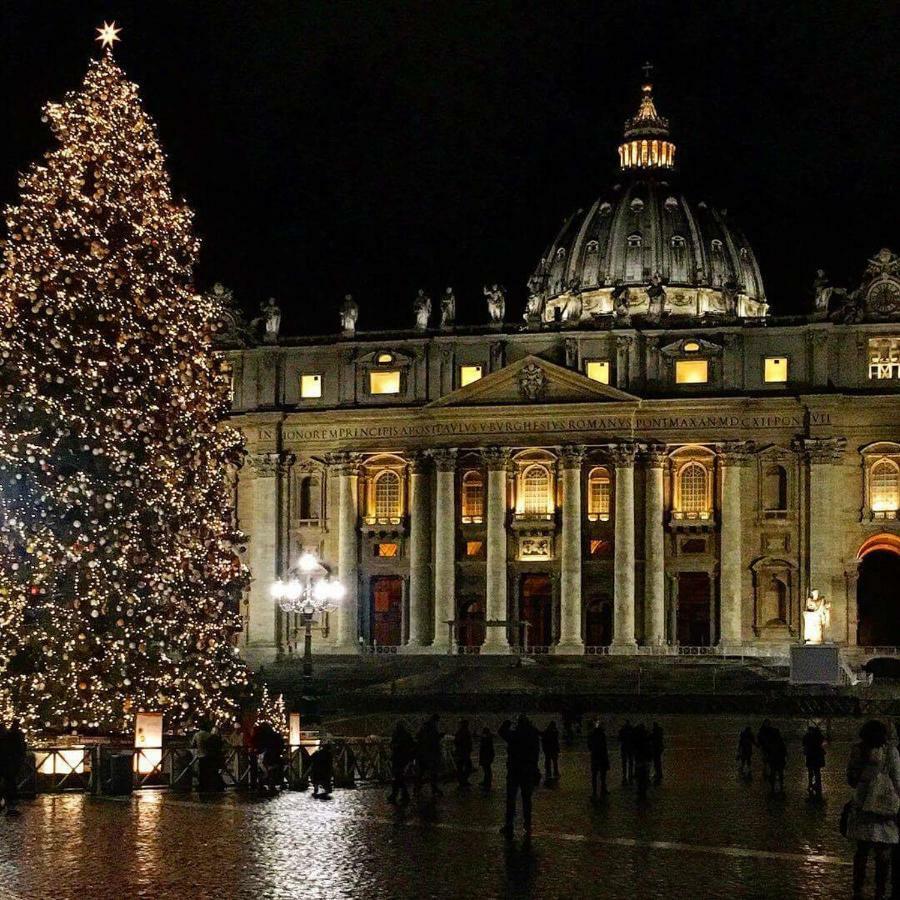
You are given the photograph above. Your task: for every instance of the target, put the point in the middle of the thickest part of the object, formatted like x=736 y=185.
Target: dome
x=643 y=239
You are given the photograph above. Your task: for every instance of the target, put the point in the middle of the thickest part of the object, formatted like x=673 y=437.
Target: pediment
x=533 y=380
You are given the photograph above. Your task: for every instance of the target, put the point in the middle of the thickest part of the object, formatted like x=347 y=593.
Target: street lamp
x=309 y=590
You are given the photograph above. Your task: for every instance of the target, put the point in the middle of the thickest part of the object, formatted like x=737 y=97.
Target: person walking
x=428 y=755
x=873 y=771
x=657 y=745
x=462 y=753
x=814 y=751
x=403 y=751
x=12 y=758
x=642 y=751
x=486 y=758
x=550 y=746
x=777 y=761
x=523 y=752
x=321 y=770
x=626 y=751
x=599 y=758
x=200 y=746
x=745 y=752
x=764 y=742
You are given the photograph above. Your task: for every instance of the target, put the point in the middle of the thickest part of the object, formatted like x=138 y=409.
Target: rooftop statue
x=496 y=302
x=534 y=305
x=271 y=318
x=816 y=618
x=422 y=310
x=656 y=295
x=448 y=308
x=349 y=314
x=620 y=297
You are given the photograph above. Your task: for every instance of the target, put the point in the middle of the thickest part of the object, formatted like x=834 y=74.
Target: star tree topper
x=108 y=35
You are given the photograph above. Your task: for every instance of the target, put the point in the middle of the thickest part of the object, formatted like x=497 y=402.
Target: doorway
x=536 y=608
x=877 y=599
x=470 y=630
x=387 y=610
x=598 y=622
x=694 y=620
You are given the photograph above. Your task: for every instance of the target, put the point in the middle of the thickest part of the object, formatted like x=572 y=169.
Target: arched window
x=634 y=265
x=775 y=489
x=717 y=263
x=387 y=496
x=884 y=486
x=693 y=493
x=536 y=484
x=598 y=495
x=679 y=258
x=473 y=497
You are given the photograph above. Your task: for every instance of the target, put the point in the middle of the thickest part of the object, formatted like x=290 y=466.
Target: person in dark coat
x=764 y=741
x=599 y=758
x=657 y=745
x=523 y=751
x=321 y=770
x=745 y=752
x=486 y=758
x=428 y=755
x=626 y=751
x=814 y=751
x=12 y=758
x=403 y=752
x=777 y=761
x=550 y=745
x=462 y=752
x=643 y=754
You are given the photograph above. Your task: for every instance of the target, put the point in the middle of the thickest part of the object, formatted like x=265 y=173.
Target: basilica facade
x=649 y=459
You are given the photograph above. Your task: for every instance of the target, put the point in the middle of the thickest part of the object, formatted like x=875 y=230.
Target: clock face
x=884 y=298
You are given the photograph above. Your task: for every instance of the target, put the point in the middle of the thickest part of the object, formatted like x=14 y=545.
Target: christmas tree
x=272 y=711
x=119 y=582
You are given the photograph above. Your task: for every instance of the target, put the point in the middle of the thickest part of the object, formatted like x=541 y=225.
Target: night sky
x=380 y=147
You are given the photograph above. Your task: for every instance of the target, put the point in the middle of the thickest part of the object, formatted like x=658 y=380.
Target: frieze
x=571 y=456
x=444 y=460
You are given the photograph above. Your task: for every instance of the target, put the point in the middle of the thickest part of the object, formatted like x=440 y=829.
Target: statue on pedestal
x=496 y=303
x=816 y=618
x=422 y=310
x=349 y=315
x=271 y=317
x=534 y=305
x=620 y=297
x=656 y=294
x=448 y=308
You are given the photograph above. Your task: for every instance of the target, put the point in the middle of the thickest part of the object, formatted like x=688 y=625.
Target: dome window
x=679 y=258
x=637 y=205
x=716 y=246
x=690 y=347
x=561 y=253
x=634 y=265
x=678 y=242
x=383 y=358
x=593 y=246
x=635 y=240
x=605 y=209
x=717 y=263
x=745 y=254
x=671 y=203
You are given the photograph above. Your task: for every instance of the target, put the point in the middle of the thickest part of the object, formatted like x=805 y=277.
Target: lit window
x=775 y=369
x=693 y=482
x=599 y=547
x=691 y=371
x=472 y=497
x=386 y=551
x=384 y=358
x=598 y=370
x=468 y=374
x=884 y=486
x=598 y=495
x=884 y=358
x=310 y=386
x=384 y=382
x=536 y=499
x=474 y=548
x=690 y=346
x=387 y=496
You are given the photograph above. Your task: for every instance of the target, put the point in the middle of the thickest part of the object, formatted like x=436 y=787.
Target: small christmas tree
x=272 y=711
x=119 y=583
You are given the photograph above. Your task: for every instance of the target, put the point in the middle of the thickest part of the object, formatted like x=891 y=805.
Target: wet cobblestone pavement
x=703 y=833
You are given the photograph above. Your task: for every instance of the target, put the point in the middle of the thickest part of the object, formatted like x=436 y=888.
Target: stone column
x=419 y=555
x=654 y=549
x=347 y=469
x=570 y=634
x=732 y=457
x=623 y=597
x=623 y=344
x=445 y=542
x=263 y=555
x=496 y=459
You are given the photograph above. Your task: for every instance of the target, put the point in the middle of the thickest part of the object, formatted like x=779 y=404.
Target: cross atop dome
x=647 y=144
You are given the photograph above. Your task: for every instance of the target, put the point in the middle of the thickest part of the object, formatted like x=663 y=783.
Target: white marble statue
x=271 y=315
x=448 y=308
x=496 y=302
x=422 y=310
x=816 y=618
x=349 y=314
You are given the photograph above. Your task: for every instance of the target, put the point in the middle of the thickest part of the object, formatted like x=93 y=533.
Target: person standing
x=428 y=755
x=550 y=746
x=523 y=753
x=321 y=770
x=873 y=771
x=626 y=751
x=777 y=761
x=200 y=746
x=462 y=753
x=764 y=742
x=599 y=758
x=403 y=751
x=745 y=752
x=12 y=758
x=814 y=751
x=657 y=745
x=486 y=758
x=642 y=753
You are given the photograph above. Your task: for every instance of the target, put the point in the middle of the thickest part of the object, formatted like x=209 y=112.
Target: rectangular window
x=474 y=549
x=884 y=358
x=386 y=551
x=691 y=371
x=598 y=370
x=384 y=382
x=468 y=374
x=775 y=369
x=310 y=386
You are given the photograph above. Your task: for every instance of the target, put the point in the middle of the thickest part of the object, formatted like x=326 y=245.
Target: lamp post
x=309 y=590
